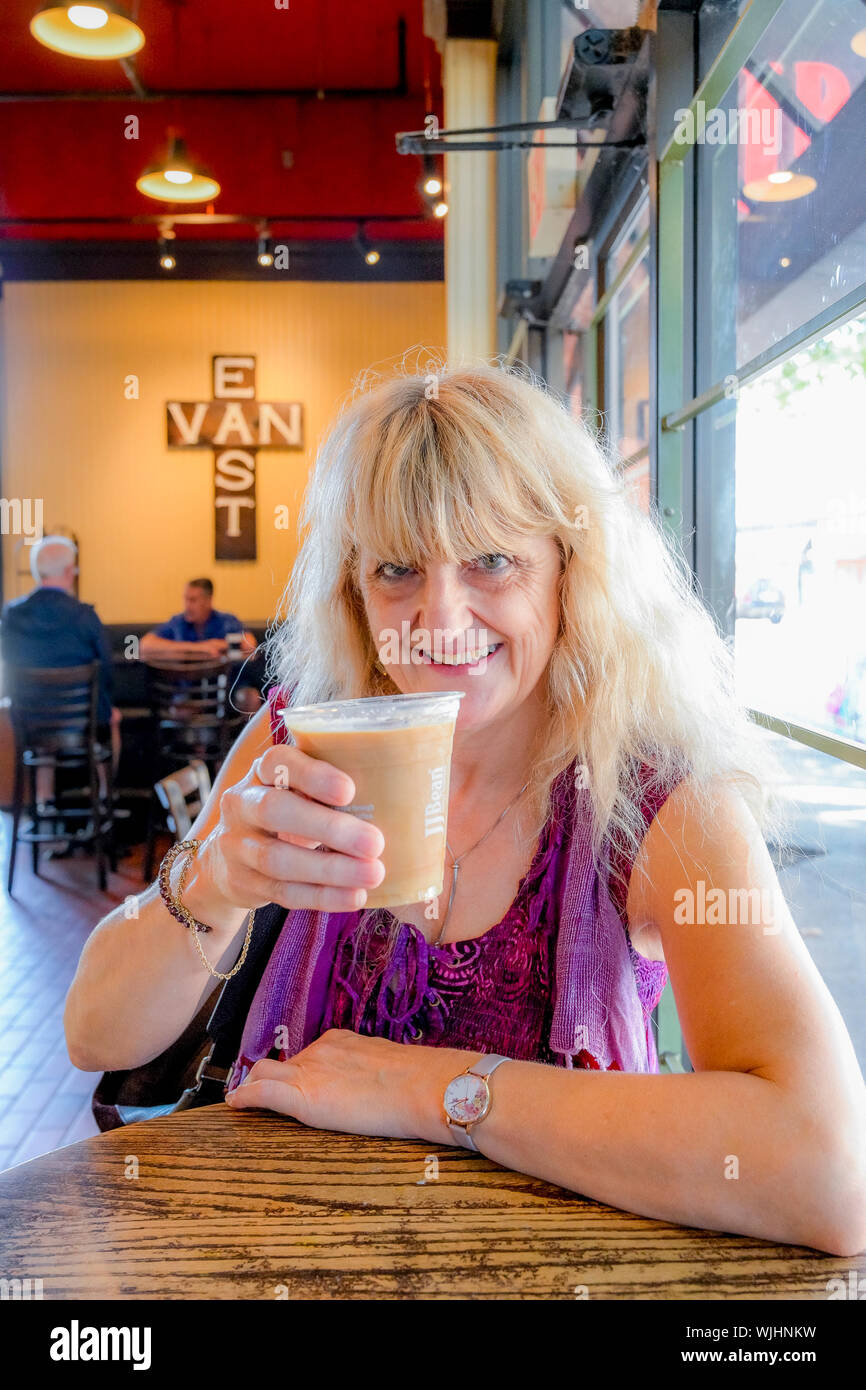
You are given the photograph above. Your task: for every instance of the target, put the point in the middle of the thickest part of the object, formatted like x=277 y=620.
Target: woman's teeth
x=470 y=658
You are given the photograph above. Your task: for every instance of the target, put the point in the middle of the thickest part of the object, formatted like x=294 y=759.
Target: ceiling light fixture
x=166 y=259
x=432 y=184
x=440 y=209
x=97 y=31
x=265 y=255
x=367 y=250
x=176 y=179
x=781 y=187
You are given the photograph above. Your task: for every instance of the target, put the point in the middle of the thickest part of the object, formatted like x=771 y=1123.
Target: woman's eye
x=490 y=563
x=390 y=570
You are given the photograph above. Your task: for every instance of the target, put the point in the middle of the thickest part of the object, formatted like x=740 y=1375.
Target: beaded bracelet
x=174 y=905
x=178 y=910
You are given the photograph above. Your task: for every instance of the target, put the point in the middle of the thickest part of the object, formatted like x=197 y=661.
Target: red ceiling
x=70 y=159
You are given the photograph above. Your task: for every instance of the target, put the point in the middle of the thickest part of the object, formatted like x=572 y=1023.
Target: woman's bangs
x=409 y=514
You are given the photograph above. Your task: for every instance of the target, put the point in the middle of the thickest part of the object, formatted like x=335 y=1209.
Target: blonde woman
x=605 y=784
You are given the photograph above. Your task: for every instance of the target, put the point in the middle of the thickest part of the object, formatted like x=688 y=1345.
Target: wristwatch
x=467 y=1098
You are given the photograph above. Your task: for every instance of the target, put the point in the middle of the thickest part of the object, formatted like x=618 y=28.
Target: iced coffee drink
x=397 y=751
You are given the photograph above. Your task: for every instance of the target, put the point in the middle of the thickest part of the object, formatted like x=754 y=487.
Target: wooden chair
x=181 y=795
x=53 y=712
x=192 y=710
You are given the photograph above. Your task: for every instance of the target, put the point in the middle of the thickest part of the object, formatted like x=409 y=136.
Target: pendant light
x=99 y=30
x=176 y=179
x=780 y=187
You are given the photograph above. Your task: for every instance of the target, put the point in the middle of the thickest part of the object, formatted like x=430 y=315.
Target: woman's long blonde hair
x=452 y=463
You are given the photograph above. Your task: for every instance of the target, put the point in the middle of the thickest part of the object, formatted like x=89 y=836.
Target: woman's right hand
x=279 y=840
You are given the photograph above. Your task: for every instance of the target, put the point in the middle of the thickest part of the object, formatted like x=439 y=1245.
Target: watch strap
x=488 y=1064
x=483 y=1068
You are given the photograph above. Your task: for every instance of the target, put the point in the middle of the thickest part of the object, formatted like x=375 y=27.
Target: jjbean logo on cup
x=436 y=812
x=397 y=751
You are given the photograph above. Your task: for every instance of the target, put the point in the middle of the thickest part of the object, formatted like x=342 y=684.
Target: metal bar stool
x=54 y=719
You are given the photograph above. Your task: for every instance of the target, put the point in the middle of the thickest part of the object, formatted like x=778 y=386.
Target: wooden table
x=251 y=1205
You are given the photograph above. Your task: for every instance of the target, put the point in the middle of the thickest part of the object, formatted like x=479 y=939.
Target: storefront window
x=822 y=871
x=638 y=226
x=801 y=536
x=784 y=237
x=572 y=373
x=637 y=476
x=627 y=343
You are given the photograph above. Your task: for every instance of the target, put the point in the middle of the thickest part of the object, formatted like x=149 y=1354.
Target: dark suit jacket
x=48 y=627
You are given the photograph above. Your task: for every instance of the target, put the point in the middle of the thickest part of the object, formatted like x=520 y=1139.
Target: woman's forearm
x=140 y=979
x=727 y=1151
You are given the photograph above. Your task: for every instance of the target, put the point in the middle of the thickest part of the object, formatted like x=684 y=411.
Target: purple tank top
x=494 y=993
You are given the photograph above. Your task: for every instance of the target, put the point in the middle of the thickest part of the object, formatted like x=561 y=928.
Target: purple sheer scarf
x=604 y=991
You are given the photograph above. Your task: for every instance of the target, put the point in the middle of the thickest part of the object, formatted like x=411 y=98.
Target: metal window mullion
x=636 y=457
x=640 y=248
x=670 y=353
x=590 y=369
x=842 y=748
x=743 y=38
x=817 y=328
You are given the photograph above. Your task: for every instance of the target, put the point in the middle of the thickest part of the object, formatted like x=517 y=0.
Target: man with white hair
x=50 y=627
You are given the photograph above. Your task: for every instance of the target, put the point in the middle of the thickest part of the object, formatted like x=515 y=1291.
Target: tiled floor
x=44 y=1100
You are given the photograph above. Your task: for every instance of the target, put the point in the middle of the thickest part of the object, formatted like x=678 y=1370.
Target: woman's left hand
x=359 y=1085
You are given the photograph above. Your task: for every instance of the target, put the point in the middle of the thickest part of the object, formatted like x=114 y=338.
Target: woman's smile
x=475 y=663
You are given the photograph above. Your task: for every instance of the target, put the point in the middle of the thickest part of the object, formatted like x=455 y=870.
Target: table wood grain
x=251 y=1205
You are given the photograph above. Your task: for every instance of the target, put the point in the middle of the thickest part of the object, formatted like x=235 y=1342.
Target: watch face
x=467 y=1098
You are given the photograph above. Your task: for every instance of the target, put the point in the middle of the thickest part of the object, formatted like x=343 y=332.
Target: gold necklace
x=457 y=862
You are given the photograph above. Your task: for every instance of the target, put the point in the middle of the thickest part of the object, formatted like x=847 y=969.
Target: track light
x=367 y=250
x=431 y=184
x=176 y=179
x=440 y=209
x=99 y=30
x=166 y=259
x=265 y=255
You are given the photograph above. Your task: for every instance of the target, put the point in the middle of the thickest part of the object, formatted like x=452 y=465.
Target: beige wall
x=143 y=513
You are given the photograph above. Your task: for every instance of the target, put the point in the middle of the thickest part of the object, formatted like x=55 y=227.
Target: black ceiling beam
x=214 y=219
x=24 y=260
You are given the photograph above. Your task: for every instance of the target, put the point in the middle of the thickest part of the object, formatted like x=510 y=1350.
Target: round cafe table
x=218 y=1204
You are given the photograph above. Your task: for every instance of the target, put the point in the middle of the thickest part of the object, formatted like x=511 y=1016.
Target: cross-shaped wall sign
x=235 y=425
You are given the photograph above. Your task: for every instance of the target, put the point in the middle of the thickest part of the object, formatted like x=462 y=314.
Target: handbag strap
x=226 y=1024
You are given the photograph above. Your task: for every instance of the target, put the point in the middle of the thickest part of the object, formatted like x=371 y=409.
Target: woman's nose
x=442 y=602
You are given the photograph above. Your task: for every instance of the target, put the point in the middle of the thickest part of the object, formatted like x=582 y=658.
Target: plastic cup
x=397 y=751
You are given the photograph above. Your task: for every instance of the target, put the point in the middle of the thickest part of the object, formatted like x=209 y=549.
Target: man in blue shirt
x=50 y=627
x=200 y=630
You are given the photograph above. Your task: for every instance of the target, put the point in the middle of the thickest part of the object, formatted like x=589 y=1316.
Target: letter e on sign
x=234 y=378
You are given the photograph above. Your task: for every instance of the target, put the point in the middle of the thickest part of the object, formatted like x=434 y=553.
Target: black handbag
x=194 y=1069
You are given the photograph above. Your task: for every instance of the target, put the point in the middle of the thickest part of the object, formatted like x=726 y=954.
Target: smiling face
x=486 y=626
